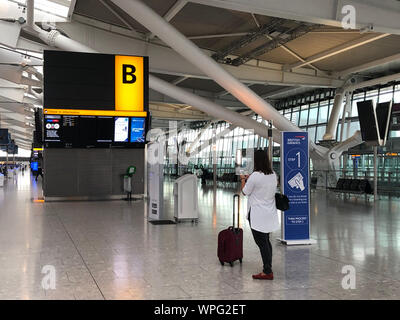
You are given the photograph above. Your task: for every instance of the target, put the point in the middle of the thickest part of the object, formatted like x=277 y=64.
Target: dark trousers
x=39 y=173
x=263 y=243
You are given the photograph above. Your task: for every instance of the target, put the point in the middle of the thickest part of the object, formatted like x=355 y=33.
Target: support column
x=375 y=173
x=214 y=158
x=346 y=113
x=334 y=118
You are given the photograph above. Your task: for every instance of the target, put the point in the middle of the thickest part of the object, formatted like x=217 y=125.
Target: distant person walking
x=39 y=171
x=203 y=174
x=260 y=187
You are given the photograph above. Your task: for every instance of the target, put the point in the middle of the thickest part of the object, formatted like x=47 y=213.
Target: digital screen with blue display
x=65 y=131
x=138 y=126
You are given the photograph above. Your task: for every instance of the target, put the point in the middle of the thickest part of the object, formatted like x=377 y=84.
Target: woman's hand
x=243 y=179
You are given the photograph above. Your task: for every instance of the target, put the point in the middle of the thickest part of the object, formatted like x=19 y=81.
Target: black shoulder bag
x=282 y=202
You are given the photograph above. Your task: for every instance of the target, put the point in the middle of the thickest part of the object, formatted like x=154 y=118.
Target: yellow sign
x=129 y=83
x=37 y=149
x=74 y=112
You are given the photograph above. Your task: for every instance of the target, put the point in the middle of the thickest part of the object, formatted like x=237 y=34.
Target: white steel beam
x=279 y=92
x=9 y=33
x=179 y=80
x=13 y=94
x=9 y=56
x=172 y=12
x=221 y=35
x=369 y=65
x=166 y=111
x=14 y=74
x=338 y=101
x=210 y=107
x=116 y=14
x=157 y=97
x=337 y=50
x=294 y=54
x=165 y=60
x=225 y=93
x=13 y=107
x=71 y=9
x=167 y=33
x=383 y=15
x=16 y=124
x=256 y=20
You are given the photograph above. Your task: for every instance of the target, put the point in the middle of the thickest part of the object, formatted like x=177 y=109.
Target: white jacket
x=260 y=189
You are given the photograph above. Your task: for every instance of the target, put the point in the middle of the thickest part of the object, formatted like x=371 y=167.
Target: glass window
x=295 y=117
x=303 y=115
x=386 y=94
x=356 y=98
x=320 y=132
x=396 y=96
x=312 y=117
x=354 y=126
x=311 y=133
x=372 y=95
x=338 y=131
x=323 y=112
x=395 y=134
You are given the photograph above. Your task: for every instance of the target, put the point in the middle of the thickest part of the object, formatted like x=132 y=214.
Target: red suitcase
x=230 y=241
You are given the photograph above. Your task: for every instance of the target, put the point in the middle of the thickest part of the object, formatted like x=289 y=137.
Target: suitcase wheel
x=221 y=262
x=231 y=264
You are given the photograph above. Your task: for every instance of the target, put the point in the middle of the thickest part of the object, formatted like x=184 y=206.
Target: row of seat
x=353 y=186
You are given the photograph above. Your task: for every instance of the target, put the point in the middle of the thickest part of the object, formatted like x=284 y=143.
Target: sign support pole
x=375 y=173
x=270 y=144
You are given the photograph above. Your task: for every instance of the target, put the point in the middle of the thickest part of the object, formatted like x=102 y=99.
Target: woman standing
x=260 y=187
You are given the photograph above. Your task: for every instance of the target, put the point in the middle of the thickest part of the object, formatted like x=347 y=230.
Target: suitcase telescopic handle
x=236 y=196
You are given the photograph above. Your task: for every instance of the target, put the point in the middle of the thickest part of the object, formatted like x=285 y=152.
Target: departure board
x=71 y=131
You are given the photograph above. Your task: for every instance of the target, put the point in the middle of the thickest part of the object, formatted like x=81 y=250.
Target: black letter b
x=128 y=70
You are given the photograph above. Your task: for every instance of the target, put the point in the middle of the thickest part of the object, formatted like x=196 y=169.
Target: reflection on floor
x=108 y=250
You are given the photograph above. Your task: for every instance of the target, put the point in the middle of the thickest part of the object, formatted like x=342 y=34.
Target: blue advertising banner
x=295 y=185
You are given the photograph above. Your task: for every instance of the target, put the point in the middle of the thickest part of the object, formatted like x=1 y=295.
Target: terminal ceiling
x=241 y=40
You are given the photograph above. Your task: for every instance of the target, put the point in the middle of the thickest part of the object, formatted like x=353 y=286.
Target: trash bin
x=130 y=171
x=127 y=184
x=185 y=198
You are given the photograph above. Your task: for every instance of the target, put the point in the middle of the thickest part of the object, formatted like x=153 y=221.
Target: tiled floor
x=108 y=250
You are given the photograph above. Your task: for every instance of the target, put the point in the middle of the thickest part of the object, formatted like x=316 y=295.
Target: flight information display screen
x=121 y=129
x=138 y=131
x=52 y=126
x=71 y=131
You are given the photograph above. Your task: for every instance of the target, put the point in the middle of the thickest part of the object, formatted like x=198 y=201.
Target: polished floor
x=108 y=250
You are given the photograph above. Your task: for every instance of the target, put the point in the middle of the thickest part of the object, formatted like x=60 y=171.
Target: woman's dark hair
x=261 y=162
